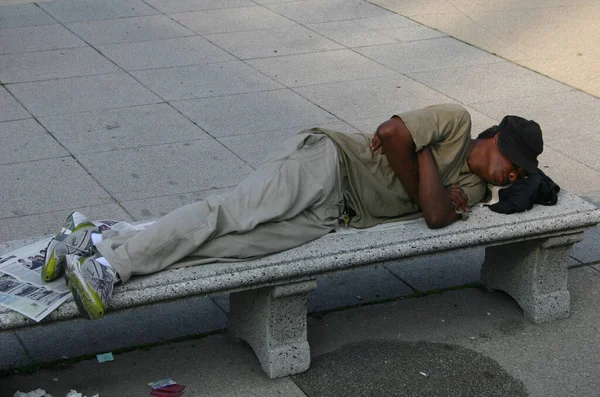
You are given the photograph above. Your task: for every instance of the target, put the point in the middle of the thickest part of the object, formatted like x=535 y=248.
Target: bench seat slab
x=534 y=273
x=272 y=320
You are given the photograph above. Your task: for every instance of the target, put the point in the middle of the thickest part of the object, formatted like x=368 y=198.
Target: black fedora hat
x=520 y=141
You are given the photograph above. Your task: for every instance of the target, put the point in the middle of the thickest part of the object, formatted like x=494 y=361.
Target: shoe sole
x=86 y=299
x=56 y=265
x=54 y=268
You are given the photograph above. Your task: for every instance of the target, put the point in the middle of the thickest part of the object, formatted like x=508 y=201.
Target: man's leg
x=303 y=174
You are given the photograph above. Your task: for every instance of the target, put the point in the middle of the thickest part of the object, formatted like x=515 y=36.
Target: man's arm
x=436 y=202
x=397 y=144
x=418 y=174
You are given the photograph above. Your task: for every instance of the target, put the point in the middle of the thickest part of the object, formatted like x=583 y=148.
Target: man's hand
x=458 y=197
x=376 y=144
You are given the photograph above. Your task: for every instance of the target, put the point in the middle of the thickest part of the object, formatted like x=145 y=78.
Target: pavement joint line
x=178 y=66
x=575 y=259
x=217 y=304
x=137 y=41
x=36 y=160
x=394 y=275
x=8 y=121
x=58 y=78
x=142 y=146
x=25 y=349
x=570 y=89
x=587 y=264
x=43 y=50
x=120 y=202
x=323 y=124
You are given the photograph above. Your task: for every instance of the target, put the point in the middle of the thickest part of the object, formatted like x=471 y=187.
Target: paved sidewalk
x=557 y=38
x=127 y=109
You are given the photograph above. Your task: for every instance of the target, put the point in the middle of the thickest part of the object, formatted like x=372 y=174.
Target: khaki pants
x=295 y=197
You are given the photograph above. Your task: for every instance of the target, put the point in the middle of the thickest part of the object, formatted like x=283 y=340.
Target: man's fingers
x=459 y=198
x=376 y=144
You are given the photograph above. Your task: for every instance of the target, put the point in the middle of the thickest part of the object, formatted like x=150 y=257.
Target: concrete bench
x=526 y=256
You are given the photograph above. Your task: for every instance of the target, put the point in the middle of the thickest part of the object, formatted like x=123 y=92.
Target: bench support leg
x=534 y=273
x=273 y=322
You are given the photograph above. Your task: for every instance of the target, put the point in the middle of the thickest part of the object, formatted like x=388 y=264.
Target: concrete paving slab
x=67 y=11
x=122 y=30
x=48 y=223
x=32 y=179
x=254 y=148
x=434 y=54
x=496 y=81
x=106 y=91
x=320 y=68
x=578 y=114
x=156 y=207
x=198 y=81
x=254 y=112
x=37 y=38
x=462 y=27
x=555 y=38
x=154 y=171
x=583 y=148
x=440 y=271
x=272 y=42
x=231 y=20
x=172 y=6
x=11 y=109
x=588 y=250
x=579 y=72
x=212 y=366
x=381 y=96
x=116 y=129
x=538 y=33
x=350 y=33
x=13 y=354
x=569 y=174
x=26 y=140
x=149 y=324
x=327 y=10
x=155 y=54
x=355 y=287
x=593 y=197
x=480 y=121
x=19 y=15
x=45 y=65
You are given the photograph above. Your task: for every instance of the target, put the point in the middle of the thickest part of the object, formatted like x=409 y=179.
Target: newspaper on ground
x=21 y=286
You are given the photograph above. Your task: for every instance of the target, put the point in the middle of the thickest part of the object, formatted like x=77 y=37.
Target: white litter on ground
x=42 y=393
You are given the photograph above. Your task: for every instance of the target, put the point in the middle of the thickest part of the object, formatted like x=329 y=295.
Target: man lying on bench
x=421 y=160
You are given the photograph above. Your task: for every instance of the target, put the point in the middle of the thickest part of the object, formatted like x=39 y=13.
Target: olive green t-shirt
x=371 y=187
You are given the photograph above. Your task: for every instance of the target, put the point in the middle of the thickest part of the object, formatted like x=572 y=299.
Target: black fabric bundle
x=524 y=193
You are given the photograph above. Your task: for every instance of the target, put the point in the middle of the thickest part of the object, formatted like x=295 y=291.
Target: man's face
x=500 y=170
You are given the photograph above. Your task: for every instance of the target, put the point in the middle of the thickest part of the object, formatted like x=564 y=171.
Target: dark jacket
x=524 y=193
